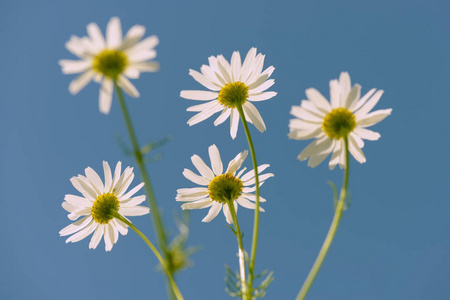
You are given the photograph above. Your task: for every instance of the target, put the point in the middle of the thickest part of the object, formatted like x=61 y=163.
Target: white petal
x=145 y=66
x=262 y=87
x=224 y=68
x=203 y=80
x=247 y=204
x=199 y=95
x=302 y=113
x=367 y=134
x=250 y=174
x=305 y=134
x=201 y=116
x=234 y=122
x=74 y=66
x=74 y=227
x=130 y=202
x=108 y=177
x=77 y=200
x=96 y=237
x=190 y=198
x=127 y=86
x=195 y=178
x=248 y=64
x=369 y=105
x=203 y=106
x=353 y=97
x=80 y=82
x=262 y=96
x=261 y=178
x=113 y=33
x=141 y=56
x=253 y=197
x=335 y=93
x=197 y=204
x=133 y=35
x=84 y=189
x=317 y=146
x=106 y=94
x=362 y=100
x=338 y=156
x=216 y=162
x=121 y=227
x=204 y=170
x=254 y=115
x=318 y=99
x=223 y=116
x=96 y=36
x=82 y=233
x=134 y=211
x=256 y=71
x=355 y=150
x=227 y=214
x=345 y=87
x=237 y=162
x=236 y=65
x=213 y=212
x=95 y=180
x=373 y=117
x=192 y=191
x=144 y=45
x=132 y=192
x=108 y=237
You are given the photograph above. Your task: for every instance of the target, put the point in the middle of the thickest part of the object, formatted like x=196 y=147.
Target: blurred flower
x=346 y=115
x=111 y=59
x=97 y=204
x=231 y=85
x=220 y=188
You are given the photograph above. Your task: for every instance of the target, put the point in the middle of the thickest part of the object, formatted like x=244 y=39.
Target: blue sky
x=393 y=242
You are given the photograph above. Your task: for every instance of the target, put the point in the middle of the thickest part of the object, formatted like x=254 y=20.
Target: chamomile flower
x=114 y=58
x=97 y=202
x=346 y=115
x=218 y=188
x=231 y=85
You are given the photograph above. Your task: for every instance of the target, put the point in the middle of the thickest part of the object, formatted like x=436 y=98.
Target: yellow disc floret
x=110 y=63
x=233 y=94
x=103 y=206
x=224 y=188
x=338 y=123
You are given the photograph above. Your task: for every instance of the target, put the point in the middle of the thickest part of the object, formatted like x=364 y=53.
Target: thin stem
x=241 y=250
x=331 y=232
x=155 y=251
x=156 y=217
x=251 y=265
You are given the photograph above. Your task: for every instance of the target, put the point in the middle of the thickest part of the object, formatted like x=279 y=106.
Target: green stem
x=331 y=232
x=156 y=217
x=241 y=250
x=155 y=251
x=251 y=265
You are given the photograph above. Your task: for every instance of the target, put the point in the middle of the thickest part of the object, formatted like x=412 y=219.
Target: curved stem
x=155 y=251
x=331 y=232
x=241 y=249
x=251 y=265
x=156 y=217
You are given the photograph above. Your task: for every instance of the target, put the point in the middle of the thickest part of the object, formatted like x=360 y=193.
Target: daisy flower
x=219 y=188
x=347 y=115
x=97 y=203
x=231 y=85
x=110 y=59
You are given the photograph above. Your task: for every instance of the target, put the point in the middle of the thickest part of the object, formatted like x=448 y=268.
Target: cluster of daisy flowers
x=233 y=87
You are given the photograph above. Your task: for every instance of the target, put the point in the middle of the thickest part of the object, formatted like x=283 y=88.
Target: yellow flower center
x=233 y=94
x=103 y=206
x=110 y=63
x=338 y=123
x=224 y=188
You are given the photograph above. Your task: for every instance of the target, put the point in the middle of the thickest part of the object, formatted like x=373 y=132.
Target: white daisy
x=111 y=59
x=346 y=115
x=231 y=85
x=97 y=202
x=219 y=188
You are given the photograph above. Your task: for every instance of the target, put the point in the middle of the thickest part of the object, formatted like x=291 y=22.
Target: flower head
x=346 y=115
x=231 y=85
x=111 y=59
x=218 y=188
x=99 y=202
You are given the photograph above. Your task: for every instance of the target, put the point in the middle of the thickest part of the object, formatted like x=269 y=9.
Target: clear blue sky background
x=393 y=242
